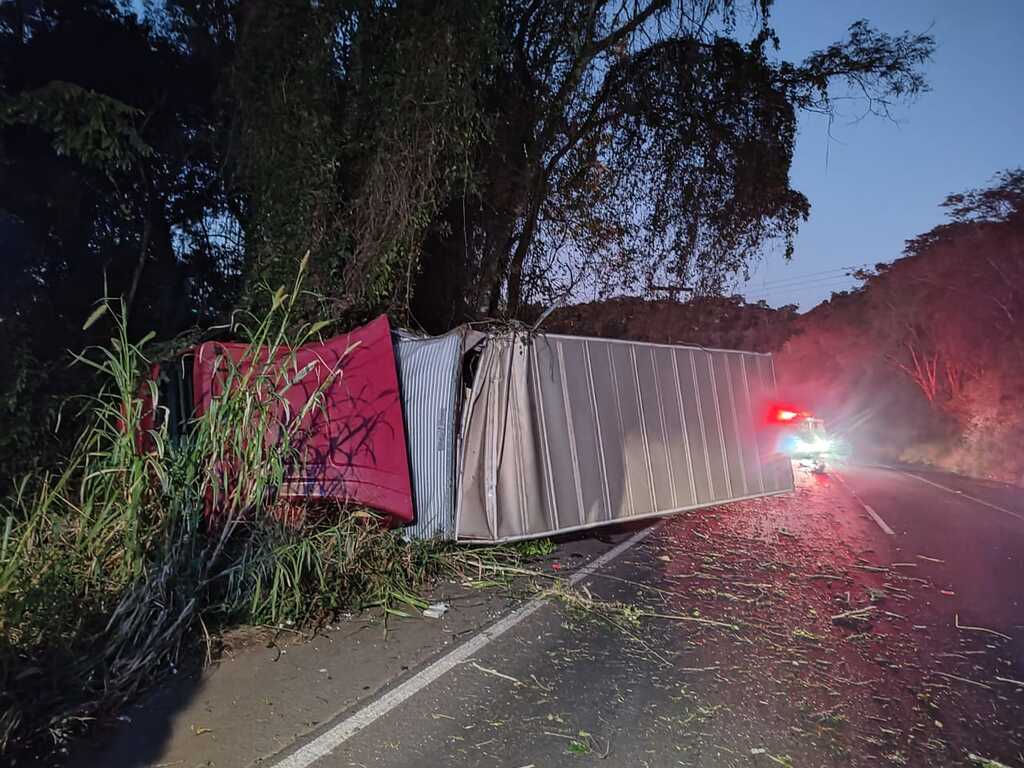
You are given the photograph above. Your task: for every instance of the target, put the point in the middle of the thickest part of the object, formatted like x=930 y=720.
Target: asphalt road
x=976 y=527
x=627 y=668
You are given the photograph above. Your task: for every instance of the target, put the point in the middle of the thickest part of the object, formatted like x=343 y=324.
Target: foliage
x=335 y=559
x=108 y=567
x=287 y=149
x=943 y=345
x=725 y=323
x=1000 y=202
x=873 y=65
x=354 y=121
x=95 y=129
x=927 y=358
x=109 y=185
x=21 y=409
x=411 y=127
x=639 y=148
x=535 y=548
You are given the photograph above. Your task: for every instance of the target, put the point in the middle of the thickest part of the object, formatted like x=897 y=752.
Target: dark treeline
x=440 y=161
x=922 y=362
x=722 y=322
x=925 y=362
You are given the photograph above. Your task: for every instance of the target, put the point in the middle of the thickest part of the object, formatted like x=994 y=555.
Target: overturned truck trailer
x=497 y=436
x=562 y=433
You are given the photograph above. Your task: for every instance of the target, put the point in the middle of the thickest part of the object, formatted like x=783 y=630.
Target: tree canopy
x=639 y=146
x=926 y=359
x=441 y=161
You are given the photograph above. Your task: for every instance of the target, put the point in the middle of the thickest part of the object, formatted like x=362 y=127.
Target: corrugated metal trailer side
x=563 y=433
x=430 y=370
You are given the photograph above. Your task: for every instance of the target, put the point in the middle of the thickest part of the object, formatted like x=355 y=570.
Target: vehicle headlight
x=818 y=445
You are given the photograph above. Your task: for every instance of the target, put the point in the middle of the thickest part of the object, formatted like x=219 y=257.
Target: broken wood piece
x=496 y=673
x=854 y=616
x=962 y=679
x=1010 y=680
x=985 y=762
x=694 y=619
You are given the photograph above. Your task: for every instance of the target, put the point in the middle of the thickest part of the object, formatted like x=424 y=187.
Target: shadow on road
x=140 y=735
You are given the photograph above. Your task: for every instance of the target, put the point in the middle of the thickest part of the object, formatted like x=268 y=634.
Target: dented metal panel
x=562 y=433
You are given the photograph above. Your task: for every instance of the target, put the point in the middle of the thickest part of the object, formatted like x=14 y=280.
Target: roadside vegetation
x=923 y=362
x=116 y=567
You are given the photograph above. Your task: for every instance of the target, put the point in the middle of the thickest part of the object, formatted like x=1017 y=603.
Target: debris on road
x=985 y=762
x=435 y=610
x=1010 y=680
x=857 y=617
x=962 y=679
x=496 y=673
x=748 y=627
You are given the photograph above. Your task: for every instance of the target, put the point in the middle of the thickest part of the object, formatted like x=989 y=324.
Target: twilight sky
x=875 y=184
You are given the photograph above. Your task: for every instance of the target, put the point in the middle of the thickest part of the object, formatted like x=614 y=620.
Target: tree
x=640 y=144
x=109 y=185
x=469 y=159
x=412 y=123
x=954 y=302
x=927 y=355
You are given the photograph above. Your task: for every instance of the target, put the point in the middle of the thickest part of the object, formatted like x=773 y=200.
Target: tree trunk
x=19 y=21
x=140 y=265
x=515 y=276
x=439 y=301
x=495 y=275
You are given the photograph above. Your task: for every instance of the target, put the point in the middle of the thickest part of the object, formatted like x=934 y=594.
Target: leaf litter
x=775 y=637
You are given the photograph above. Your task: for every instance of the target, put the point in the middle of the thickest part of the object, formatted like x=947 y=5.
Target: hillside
x=924 y=362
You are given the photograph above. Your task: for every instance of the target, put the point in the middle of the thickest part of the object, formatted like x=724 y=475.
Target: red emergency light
x=784 y=415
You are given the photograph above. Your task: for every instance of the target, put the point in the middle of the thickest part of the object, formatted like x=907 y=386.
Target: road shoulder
x=282 y=686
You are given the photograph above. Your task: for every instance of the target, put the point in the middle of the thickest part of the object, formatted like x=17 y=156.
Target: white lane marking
x=964 y=495
x=867 y=507
x=330 y=740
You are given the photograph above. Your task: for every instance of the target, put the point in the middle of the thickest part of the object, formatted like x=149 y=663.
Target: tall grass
x=108 y=565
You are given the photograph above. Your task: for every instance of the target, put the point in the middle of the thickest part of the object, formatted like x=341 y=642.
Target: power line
x=835 y=272
x=837 y=280
x=818 y=284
